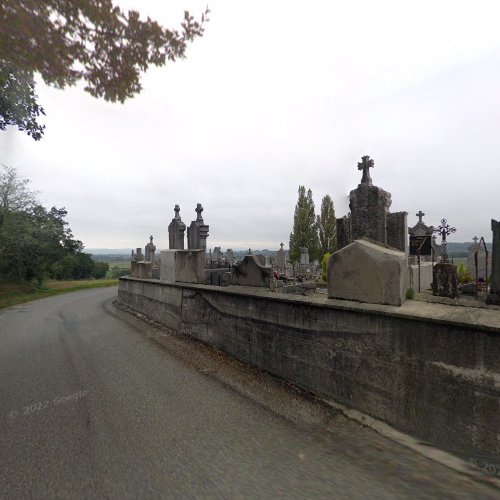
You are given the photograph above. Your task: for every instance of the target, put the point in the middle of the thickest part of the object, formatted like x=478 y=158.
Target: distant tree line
x=316 y=232
x=35 y=242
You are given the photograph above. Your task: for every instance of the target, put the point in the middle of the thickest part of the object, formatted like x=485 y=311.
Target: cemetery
x=358 y=339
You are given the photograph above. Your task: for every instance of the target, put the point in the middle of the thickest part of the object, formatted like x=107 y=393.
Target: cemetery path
x=91 y=406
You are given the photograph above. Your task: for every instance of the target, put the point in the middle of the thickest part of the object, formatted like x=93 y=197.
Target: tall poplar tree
x=327 y=227
x=305 y=231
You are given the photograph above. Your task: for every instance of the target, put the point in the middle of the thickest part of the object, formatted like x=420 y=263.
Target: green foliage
x=18 y=101
x=305 y=230
x=327 y=228
x=117 y=271
x=410 y=294
x=100 y=270
x=324 y=262
x=463 y=275
x=66 y=41
x=35 y=243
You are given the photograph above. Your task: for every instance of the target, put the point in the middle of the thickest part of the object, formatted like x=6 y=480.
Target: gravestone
x=250 y=272
x=444 y=273
x=444 y=280
x=436 y=248
x=176 y=231
x=344 y=232
x=420 y=240
x=149 y=251
x=133 y=264
x=185 y=266
x=494 y=295
x=261 y=258
x=138 y=254
x=217 y=254
x=144 y=270
x=197 y=232
x=483 y=267
x=370 y=217
x=281 y=259
x=366 y=271
x=230 y=256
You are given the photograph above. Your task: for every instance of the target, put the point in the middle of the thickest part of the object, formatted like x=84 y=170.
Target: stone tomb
x=197 y=232
x=366 y=271
x=250 y=272
x=185 y=266
x=281 y=259
x=494 y=295
x=230 y=256
x=176 y=231
x=420 y=240
x=445 y=280
x=370 y=216
x=481 y=260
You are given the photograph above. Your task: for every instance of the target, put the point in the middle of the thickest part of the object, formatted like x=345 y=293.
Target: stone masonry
x=197 y=232
x=176 y=230
x=370 y=217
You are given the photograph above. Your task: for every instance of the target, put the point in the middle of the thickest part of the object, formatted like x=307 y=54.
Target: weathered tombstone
x=261 y=258
x=477 y=253
x=176 y=231
x=436 y=249
x=217 y=255
x=230 y=256
x=420 y=259
x=138 y=254
x=281 y=259
x=149 y=251
x=144 y=269
x=197 y=232
x=133 y=264
x=369 y=205
x=494 y=295
x=367 y=271
x=186 y=266
x=421 y=239
x=444 y=274
x=370 y=217
x=250 y=272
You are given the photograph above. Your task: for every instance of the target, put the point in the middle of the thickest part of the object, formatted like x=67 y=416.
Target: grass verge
x=13 y=293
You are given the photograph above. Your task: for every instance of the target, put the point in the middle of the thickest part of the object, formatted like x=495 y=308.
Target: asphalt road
x=91 y=406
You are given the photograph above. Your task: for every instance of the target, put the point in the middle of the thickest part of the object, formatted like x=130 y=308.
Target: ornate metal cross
x=365 y=165
x=420 y=214
x=444 y=229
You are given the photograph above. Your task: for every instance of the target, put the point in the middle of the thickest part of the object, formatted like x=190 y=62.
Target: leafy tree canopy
x=36 y=242
x=66 y=41
x=305 y=231
x=327 y=227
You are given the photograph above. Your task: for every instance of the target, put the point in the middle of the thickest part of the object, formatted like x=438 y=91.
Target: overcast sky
x=274 y=95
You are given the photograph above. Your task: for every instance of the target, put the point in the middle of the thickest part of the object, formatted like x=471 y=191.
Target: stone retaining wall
x=432 y=372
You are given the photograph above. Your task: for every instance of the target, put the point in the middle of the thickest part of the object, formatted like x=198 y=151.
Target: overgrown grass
x=17 y=293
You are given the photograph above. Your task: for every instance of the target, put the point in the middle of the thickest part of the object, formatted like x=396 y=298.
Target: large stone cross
x=475 y=239
x=198 y=210
x=177 y=209
x=365 y=165
x=420 y=214
x=282 y=245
